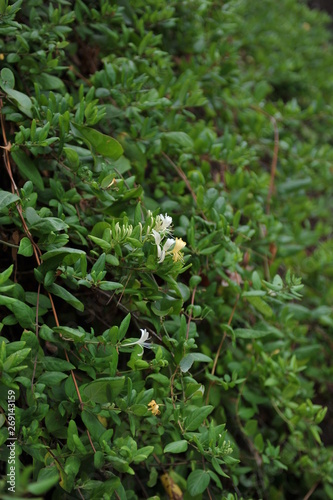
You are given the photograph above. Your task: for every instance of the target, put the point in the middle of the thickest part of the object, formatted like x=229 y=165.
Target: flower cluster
x=142 y=341
x=170 y=246
x=120 y=233
x=163 y=223
x=154 y=407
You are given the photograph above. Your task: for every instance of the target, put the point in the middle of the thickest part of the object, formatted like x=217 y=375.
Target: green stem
x=9 y=244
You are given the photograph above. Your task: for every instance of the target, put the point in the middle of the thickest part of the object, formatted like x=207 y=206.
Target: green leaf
x=161 y=379
x=98 y=142
x=52 y=379
x=110 y=285
x=246 y=333
x=99 y=228
x=27 y=168
x=176 y=447
x=124 y=327
x=79 y=445
x=7 y=198
x=69 y=333
x=64 y=294
x=26 y=247
x=22 y=312
x=254 y=293
x=47 y=479
x=99 y=459
x=44 y=225
x=7 y=79
x=22 y=100
x=186 y=363
x=49 y=82
x=15 y=359
x=93 y=425
x=180 y=138
x=99 y=265
x=261 y=306
x=71 y=432
x=104 y=390
x=56 y=364
x=5 y=275
x=139 y=409
x=119 y=464
x=105 y=246
x=142 y=454
x=197 y=482
x=68 y=255
x=72 y=158
x=196 y=417
x=218 y=468
x=259 y=443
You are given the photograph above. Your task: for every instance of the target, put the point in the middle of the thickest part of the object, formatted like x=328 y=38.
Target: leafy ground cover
x=166 y=252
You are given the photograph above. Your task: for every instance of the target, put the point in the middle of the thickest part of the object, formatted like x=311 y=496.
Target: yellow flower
x=154 y=407
x=176 y=251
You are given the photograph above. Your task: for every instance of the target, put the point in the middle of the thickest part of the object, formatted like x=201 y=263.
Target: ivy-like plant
x=165 y=236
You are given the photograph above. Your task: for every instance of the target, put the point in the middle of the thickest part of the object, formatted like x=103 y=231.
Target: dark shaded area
x=324 y=6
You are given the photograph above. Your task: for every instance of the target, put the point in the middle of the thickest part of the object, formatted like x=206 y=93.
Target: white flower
x=161 y=252
x=163 y=223
x=141 y=341
x=169 y=242
x=157 y=237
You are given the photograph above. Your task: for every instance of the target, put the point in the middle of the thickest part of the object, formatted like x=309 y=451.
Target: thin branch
x=9 y=244
x=190 y=316
x=37 y=332
x=36 y=249
x=311 y=490
x=274 y=163
x=182 y=175
x=224 y=336
x=220 y=347
x=275 y=155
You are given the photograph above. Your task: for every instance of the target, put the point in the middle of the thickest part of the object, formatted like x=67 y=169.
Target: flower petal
x=180 y=244
x=144 y=335
x=161 y=255
x=169 y=242
x=157 y=237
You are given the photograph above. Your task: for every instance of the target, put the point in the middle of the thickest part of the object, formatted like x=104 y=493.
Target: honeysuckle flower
x=176 y=251
x=121 y=232
x=161 y=252
x=163 y=223
x=157 y=237
x=142 y=340
x=154 y=407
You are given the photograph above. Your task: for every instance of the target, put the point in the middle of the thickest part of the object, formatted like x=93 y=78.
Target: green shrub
x=165 y=214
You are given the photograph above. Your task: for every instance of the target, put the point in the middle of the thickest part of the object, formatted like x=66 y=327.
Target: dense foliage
x=166 y=251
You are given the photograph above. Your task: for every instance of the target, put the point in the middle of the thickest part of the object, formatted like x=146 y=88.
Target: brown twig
x=171 y=387
x=204 y=468
x=36 y=249
x=37 y=332
x=274 y=164
x=182 y=175
x=220 y=347
x=123 y=291
x=275 y=155
x=311 y=490
x=190 y=315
